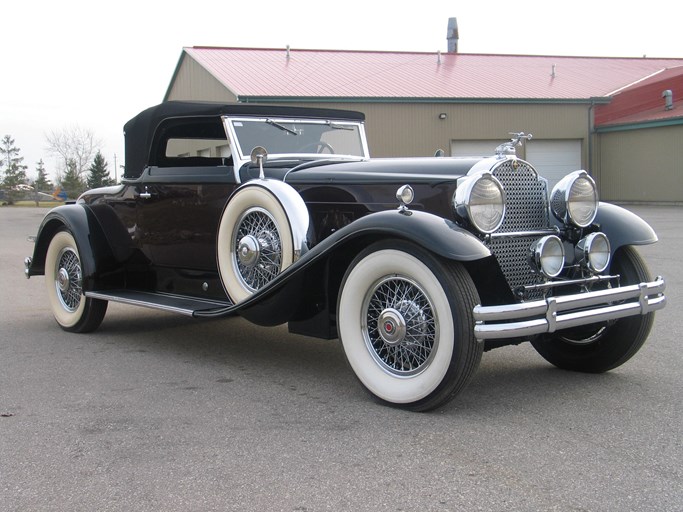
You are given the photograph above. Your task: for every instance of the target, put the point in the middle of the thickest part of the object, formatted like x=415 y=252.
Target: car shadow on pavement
x=508 y=379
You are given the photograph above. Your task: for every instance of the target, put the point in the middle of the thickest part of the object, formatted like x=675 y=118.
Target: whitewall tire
x=406 y=326
x=64 y=279
x=255 y=242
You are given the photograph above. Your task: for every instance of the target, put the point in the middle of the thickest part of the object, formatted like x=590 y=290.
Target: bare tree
x=74 y=147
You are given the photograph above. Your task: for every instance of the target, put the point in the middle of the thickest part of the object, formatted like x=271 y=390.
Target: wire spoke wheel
x=64 y=277
x=400 y=329
x=262 y=232
x=404 y=318
x=69 y=279
x=258 y=248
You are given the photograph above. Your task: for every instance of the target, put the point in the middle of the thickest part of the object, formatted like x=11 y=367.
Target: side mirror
x=258 y=156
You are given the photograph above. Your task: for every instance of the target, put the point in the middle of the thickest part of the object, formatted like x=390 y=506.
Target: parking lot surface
x=161 y=412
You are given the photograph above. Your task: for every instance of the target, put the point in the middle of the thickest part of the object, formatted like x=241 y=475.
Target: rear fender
x=91 y=242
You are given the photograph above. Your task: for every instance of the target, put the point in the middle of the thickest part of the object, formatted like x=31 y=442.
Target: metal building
x=579 y=109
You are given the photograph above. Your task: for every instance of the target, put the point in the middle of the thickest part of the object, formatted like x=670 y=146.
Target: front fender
x=623 y=227
x=91 y=242
x=434 y=233
x=279 y=300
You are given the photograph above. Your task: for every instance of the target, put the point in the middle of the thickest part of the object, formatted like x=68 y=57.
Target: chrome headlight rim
x=594 y=252
x=547 y=256
x=574 y=200
x=487 y=213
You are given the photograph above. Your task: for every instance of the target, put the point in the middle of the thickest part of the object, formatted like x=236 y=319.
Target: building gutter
x=640 y=125
x=372 y=99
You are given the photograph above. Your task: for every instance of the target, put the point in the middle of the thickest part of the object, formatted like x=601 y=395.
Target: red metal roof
x=643 y=102
x=270 y=73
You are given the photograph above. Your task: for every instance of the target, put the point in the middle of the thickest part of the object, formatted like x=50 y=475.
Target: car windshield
x=296 y=137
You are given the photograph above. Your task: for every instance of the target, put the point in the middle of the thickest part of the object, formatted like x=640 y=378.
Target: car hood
x=383 y=170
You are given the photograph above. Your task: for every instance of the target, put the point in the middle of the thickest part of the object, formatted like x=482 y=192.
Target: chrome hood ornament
x=509 y=148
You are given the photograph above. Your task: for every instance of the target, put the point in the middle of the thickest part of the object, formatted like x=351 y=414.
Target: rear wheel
x=406 y=326
x=73 y=311
x=602 y=347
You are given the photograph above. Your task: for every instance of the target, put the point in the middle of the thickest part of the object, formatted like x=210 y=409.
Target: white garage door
x=474 y=147
x=553 y=159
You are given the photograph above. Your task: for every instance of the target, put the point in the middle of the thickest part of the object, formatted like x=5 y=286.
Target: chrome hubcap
x=249 y=251
x=258 y=254
x=63 y=279
x=391 y=327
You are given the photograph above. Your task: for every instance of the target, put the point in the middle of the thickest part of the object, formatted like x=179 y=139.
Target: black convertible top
x=139 y=131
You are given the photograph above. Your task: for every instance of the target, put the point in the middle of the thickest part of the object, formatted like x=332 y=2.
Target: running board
x=165 y=301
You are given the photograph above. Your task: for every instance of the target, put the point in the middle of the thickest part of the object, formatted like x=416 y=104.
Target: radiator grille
x=526 y=209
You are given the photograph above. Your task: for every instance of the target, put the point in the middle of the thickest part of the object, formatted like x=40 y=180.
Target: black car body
x=418 y=265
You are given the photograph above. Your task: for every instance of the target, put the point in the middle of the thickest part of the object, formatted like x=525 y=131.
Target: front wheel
x=73 y=311
x=602 y=347
x=406 y=325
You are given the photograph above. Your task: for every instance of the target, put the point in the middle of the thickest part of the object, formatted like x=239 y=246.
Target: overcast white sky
x=97 y=64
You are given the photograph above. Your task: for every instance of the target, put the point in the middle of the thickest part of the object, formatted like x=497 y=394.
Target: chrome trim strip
x=183 y=305
x=563 y=312
x=516 y=234
x=581 y=282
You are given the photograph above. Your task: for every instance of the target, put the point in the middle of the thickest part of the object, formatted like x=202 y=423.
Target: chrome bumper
x=27 y=266
x=563 y=312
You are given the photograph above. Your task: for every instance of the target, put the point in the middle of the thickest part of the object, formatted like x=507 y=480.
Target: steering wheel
x=319 y=147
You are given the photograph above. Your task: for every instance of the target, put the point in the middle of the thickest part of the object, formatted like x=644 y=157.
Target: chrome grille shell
x=527 y=209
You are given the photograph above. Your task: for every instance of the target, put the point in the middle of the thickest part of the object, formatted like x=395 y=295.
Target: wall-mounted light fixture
x=443 y=115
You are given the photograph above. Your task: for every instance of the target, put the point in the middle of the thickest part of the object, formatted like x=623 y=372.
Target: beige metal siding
x=642 y=165
x=414 y=129
x=193 y=82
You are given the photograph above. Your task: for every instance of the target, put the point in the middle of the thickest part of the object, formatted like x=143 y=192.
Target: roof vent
x=452 y=35
x=668 y=96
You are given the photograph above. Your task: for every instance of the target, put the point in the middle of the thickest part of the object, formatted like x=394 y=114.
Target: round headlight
x=481 y=199
x=593 y=252
x=575 y=199
x=547 y=255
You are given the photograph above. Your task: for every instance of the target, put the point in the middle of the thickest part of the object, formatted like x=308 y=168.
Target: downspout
x=591 y=130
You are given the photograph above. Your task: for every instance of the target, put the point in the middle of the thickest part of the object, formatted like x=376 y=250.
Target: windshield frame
x=242 y=155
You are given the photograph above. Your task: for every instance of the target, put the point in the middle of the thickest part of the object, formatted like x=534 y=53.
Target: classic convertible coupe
x=418 y=265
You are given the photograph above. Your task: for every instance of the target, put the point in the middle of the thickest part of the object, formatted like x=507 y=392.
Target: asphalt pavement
x=157 y=412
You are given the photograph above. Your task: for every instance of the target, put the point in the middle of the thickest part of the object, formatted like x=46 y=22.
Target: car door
x=178 y=212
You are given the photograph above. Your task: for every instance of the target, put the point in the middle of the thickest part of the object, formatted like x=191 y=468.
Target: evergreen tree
x=15 y=172
x=71 y=183
x=42 y=183
x=98 y=175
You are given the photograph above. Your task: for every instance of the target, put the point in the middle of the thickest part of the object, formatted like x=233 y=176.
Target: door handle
x=145 y=195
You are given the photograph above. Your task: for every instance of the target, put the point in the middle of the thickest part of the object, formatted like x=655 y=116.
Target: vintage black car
x=418 y=265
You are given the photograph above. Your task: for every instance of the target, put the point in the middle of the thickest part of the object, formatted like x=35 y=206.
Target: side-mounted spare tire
x=262 y=231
